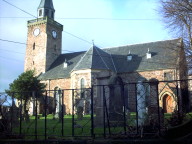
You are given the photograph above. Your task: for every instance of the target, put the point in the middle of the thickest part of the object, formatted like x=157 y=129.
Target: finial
x=93 y=42
x=148 y=50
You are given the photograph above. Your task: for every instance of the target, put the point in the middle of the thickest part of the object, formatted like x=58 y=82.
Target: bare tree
x=177 y=15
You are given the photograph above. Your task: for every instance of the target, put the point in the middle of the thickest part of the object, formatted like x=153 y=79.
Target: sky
x=109 y=23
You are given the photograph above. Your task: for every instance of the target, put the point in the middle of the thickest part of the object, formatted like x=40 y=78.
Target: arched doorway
x=168 y=104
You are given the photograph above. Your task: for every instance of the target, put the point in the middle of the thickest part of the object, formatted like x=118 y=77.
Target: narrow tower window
x=33 y=46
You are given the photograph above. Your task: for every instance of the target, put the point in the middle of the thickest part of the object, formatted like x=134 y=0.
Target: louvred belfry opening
x=46 y=9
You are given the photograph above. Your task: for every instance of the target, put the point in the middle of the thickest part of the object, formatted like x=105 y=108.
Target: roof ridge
x=72 y=52
x=91 y=57
x=102 y=58
x=79 y=61
x=141 y=43
x=113 y=63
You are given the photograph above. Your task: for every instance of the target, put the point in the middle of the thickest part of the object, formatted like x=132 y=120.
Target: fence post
x=124 y=114
x=20 y=112
x=136 y=106
x=36 y=116
x=106 y=109
x=178 y=99
x=92 y=114
x=12 y=111
x=62 y=119
x=104 y=112
x=45 y=110
x=73 y=112
x=158 y=106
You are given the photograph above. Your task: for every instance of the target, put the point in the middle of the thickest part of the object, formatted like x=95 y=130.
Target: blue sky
x=143 y=24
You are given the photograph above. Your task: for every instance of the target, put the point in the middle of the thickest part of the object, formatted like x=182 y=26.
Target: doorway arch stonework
x=167 y=102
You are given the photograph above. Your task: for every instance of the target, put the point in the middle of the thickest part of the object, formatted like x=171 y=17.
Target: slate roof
x=57 y=69
x=164 y=56
x=95 y=58
x=46 y=4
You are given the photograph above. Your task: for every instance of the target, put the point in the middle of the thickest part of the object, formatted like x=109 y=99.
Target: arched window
x=82 y=88
x=33 y=46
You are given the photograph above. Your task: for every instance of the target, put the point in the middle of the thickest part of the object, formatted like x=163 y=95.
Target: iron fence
x=131 y=110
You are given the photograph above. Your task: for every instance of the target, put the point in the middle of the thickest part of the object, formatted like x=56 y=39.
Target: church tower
x=44 y=39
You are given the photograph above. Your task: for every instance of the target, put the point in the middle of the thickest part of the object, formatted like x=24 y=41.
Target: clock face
x=54 y=34
x=36 y=32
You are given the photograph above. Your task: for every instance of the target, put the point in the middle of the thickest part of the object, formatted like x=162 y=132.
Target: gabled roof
x=165 y=55
x=46 y=4
x=95 y=58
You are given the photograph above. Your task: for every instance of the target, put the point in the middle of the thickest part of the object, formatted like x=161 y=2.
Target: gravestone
x=108 y=105
x=153 y=108
x=87 y=107
x=58 y=112
x=79 y=104
x=79 y=113
x=116 y=100
x=15 y=114
x=26 y=116
x=141 y=102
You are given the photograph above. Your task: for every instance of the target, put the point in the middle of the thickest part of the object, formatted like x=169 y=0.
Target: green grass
x=54 y=126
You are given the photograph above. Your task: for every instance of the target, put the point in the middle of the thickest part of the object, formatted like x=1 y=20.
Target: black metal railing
x=131 y=110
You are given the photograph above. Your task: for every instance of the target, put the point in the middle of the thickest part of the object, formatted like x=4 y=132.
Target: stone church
x=161 y=60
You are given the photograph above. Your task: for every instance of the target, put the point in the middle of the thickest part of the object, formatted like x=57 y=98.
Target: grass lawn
x=54 y=126
x=81 y=127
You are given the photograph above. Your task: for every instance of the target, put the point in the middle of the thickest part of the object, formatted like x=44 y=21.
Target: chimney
x=129 y=56
x=148 y=54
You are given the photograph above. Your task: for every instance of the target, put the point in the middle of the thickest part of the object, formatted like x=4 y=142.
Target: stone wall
x=42 y=49
x=98 y=77
x=36 y=49
x=60 y=84
x=76 y=77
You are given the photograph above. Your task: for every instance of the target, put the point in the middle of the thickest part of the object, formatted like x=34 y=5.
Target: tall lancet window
x=33 y=46
x=82 y=88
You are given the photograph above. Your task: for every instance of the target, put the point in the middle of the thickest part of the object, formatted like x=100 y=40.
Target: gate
x=131 y=110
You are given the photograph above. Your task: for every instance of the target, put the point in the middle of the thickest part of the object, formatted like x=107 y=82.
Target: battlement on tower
x=43 y=21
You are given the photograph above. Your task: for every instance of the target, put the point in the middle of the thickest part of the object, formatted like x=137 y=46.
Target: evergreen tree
x=23 y=87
